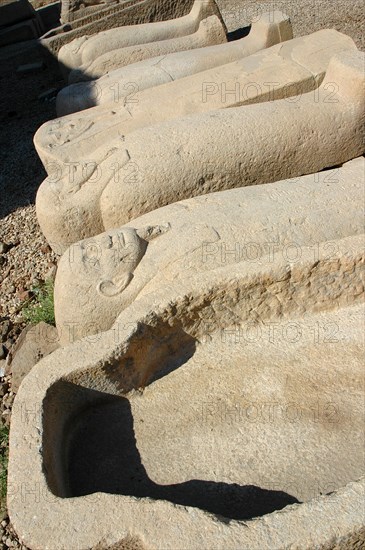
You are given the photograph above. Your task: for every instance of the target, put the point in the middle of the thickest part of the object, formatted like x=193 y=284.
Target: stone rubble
x=27 y=260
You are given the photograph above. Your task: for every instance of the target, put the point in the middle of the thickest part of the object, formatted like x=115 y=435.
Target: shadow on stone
x=238 y=33
x=103 y=457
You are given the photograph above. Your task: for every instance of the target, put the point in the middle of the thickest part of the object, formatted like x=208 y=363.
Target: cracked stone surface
x=201 y=235
x=197 y=154
x=114 y=87
x=337 y=282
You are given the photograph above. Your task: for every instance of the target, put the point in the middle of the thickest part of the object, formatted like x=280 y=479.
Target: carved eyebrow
x=121 y=238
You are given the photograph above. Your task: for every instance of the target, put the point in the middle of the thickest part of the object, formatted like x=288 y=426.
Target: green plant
x=41 y=306
x=4 y=454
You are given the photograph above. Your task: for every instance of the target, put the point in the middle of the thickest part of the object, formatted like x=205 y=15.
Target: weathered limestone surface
x=88 y=434
x=210 y=32
x=270 y=29
x=34 y=343
x=82 y=52
x=130 y=12
x=207 y=390
x=160 y=164
x=297 y=65
x=298 y=69
x=99 y=277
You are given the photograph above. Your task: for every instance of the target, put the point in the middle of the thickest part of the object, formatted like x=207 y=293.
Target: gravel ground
x=25 y=258
x=307 y=16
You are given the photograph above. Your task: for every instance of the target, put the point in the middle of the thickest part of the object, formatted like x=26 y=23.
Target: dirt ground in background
x=307 y=16
x=22 y=113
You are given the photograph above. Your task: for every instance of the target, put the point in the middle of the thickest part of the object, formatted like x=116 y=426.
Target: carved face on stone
x=112 y=258
x=109 y=260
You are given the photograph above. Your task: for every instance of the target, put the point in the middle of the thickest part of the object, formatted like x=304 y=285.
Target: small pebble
x=45 y=249
x=4 y=247
x=3 y=352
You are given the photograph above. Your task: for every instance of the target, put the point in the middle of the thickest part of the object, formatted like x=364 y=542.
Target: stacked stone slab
x=18 y=22
x=270 y=29
x=113 y=181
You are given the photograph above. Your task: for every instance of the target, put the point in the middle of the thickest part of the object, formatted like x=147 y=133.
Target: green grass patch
x=41 y=306
x=4 y=455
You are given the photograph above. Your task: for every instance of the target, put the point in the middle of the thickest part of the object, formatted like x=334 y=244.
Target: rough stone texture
x=271 y=29
x=75 y=9
x=34 y=343
x=215 y=411
x=297 y=65
x=15 y=11
x=210 y=32
x=82 y=52
x=22 y=170
x=26 y=30
x=131 y=12
x=194 y=155
x=19 y=22
x=181 y=337
x=99 y=277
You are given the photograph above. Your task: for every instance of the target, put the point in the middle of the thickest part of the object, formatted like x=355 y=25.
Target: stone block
x=20 y=32
x=34 y=343
x=34 y=67
x=14 y=11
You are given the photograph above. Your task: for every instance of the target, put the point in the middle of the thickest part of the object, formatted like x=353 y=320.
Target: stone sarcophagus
x=117 y=175
x=270 y=29
x=198 y=405
x=101 y=276
x=209 y=301
x=82 y=52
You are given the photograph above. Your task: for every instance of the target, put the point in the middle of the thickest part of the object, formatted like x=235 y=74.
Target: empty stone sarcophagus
x=224 y=411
